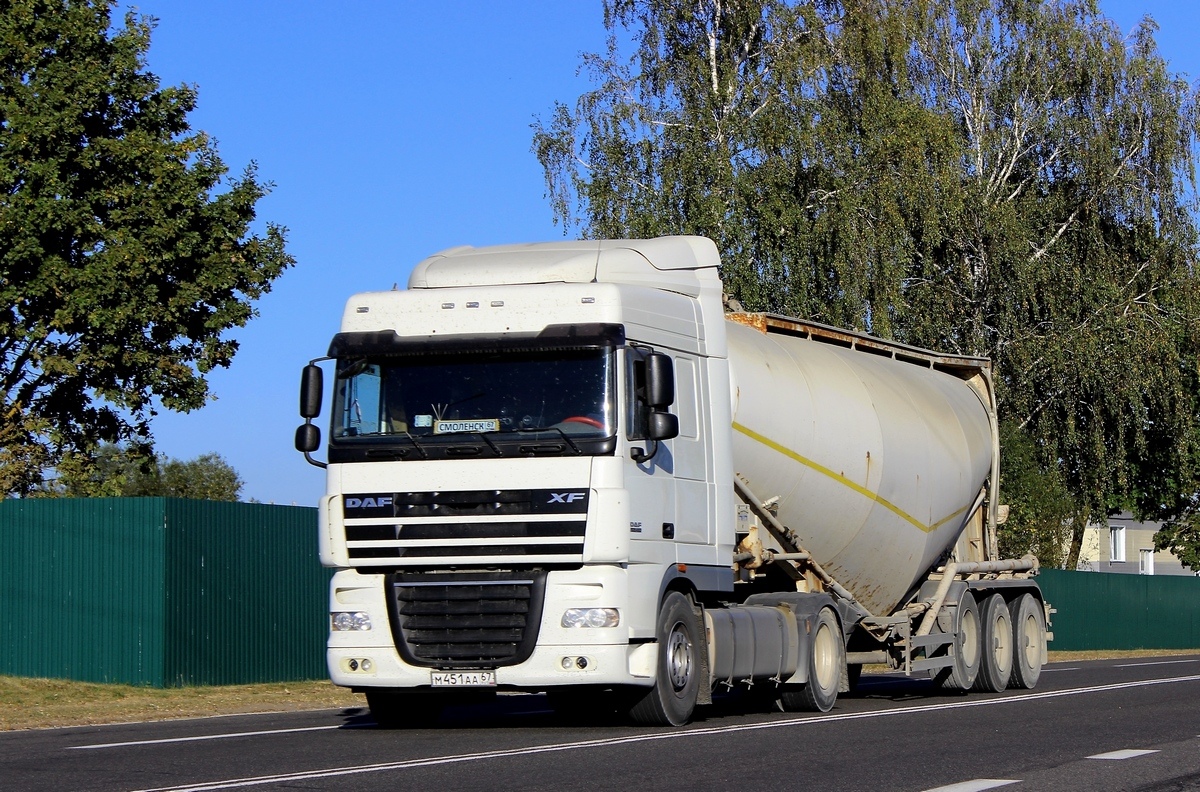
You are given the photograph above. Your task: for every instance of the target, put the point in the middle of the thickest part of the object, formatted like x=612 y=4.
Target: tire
x=1029 y=641
x=826 y=664
x=680 y=635
x=996 y=666
x=395 y=708
x=965 y=647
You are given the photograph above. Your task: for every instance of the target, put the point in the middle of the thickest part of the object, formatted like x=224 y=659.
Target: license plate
x=463 y=678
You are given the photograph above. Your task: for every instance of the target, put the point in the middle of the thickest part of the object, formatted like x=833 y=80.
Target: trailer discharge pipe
x=948 y=573
x=784 y=535
x=1027 y=563
x=771 y=556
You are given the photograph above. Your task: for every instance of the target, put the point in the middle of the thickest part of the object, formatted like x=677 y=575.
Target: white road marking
x=199 y=737
x=1128 y=753
x=1160 y=662
x=976 y=785
x=1052 y=670
x=237 y=783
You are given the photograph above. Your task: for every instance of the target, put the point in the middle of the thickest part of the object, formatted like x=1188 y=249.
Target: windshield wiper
x=482 y=435
x=561 y=433
x=488 y=440
x=420 y=448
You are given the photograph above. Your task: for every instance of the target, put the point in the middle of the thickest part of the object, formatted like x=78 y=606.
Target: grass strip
x=40 y=703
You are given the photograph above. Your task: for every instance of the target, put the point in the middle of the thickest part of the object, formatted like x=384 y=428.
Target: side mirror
x=308 y=438
x=660 y=381
x=663 y=426
x=311 y=386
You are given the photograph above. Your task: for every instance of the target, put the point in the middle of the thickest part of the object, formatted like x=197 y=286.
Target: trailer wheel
x=677 y=684
x=996 y=667
x=965 y=646
x=394 y=708
x=1029 y=641
x=826 y=661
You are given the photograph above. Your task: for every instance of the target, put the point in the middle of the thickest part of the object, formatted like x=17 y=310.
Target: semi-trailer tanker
x=567 y=467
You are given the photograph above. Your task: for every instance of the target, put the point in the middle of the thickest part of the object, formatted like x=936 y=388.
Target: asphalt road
x=1102 y=725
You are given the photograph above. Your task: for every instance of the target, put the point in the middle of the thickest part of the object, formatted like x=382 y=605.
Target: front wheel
x=826 y=661
x=677 y=683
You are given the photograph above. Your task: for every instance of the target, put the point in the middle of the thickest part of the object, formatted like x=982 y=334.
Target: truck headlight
x=591 y=617
x=345 y=622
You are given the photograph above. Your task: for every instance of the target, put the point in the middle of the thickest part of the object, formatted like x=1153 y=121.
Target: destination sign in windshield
x=475 y=425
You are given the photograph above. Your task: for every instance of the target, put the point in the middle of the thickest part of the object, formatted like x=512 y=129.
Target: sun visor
x=563 y=336
x=568 y=262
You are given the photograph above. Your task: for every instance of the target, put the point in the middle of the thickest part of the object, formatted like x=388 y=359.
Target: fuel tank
x=876 y=458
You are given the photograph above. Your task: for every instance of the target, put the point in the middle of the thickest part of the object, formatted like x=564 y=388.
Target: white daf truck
x=565 y=467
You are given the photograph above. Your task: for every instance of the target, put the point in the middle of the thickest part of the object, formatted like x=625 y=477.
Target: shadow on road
x=597 y=710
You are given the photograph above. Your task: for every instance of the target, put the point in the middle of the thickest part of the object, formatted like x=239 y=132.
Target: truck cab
x=528 y=448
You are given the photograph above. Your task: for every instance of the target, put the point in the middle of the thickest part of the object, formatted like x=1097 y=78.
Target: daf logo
x=368 y=503
x=565 y=497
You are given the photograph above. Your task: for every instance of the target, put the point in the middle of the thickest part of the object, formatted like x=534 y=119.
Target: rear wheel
x=963 y=619
x=826 y=661
x=996 y=667
x=1029 y=640
x=677 y=684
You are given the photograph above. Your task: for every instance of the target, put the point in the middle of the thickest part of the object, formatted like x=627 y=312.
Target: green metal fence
x=1097 y=610
x=161 y=591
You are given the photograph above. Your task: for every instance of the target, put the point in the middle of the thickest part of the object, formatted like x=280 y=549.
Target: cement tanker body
x=876 y=462
x=570 y=468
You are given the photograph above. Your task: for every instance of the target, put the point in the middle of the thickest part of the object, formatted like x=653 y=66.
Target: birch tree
x=1008 y=178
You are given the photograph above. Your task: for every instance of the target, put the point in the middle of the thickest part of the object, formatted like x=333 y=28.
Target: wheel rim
x=825 y=658
x=1031 y=648
x=970 y=638
x=1002 y=651
x=679 y=657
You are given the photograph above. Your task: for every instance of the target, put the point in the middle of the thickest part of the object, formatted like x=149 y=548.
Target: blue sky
x=391 y=131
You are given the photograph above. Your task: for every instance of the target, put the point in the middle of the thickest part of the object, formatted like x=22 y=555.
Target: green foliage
x=1005 y=178
x=121 y=267
x=134 y=472
x=1182 y=537
x=1041 y=510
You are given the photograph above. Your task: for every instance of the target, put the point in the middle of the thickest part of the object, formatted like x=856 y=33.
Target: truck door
x=670 y=494
x=651 y=483
x=692 y=492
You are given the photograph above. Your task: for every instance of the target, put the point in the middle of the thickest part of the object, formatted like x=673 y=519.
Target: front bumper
x=606 y=664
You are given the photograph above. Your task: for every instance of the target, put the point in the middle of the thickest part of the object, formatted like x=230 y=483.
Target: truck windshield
x=493 y=403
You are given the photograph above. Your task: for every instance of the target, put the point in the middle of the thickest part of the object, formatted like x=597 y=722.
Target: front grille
x=495 y=528
x=466 y=620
